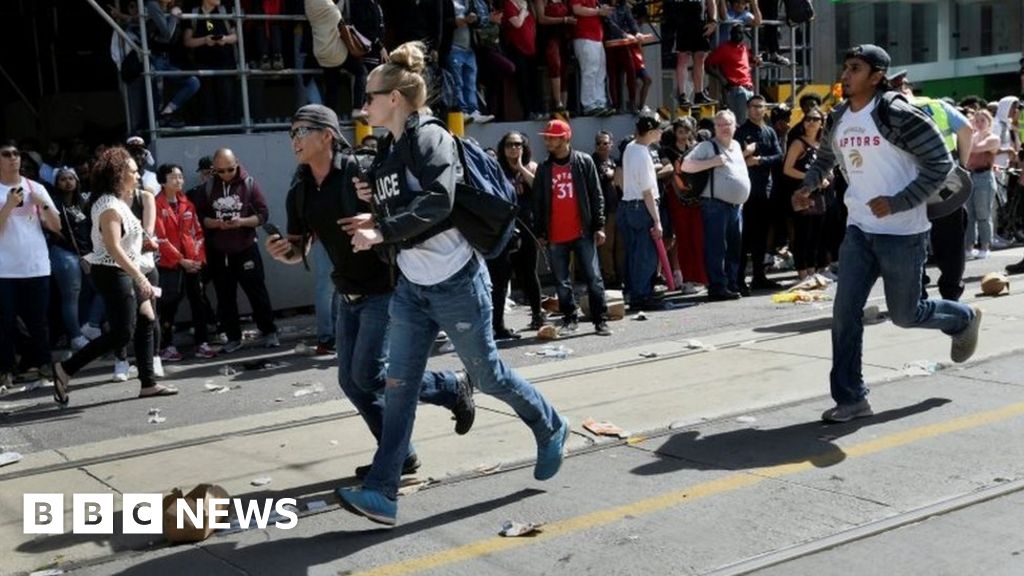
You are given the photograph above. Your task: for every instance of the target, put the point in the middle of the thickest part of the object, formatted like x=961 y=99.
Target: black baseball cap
x=205 y=163
x=874 y=56
x=649 y=120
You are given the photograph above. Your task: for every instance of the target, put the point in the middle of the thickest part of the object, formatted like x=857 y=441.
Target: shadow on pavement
x=750 y=448
x=801 y=327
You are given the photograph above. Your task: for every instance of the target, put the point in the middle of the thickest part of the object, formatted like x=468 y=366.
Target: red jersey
x=566 y=225
x=523 y=38
x=178 y=231
x=588 y=27
x=734 y=62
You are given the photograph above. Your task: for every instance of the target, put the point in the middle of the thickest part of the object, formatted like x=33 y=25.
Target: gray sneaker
x=847 y=412
x=966 y=342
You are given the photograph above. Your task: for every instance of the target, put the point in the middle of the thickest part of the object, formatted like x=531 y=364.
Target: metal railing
x=241 y=70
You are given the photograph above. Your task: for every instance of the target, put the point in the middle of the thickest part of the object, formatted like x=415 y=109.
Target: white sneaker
x=982 y=254
x=79 y=342
x=91 y=332
x=689 y=289
x=479 y=118
x=120 y=371
x=158 y=367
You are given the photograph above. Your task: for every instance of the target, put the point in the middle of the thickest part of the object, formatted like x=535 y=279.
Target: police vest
x=937 y=112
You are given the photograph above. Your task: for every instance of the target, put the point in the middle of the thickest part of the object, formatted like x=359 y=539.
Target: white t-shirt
x=131 y=232
x=876 y=168
x=23 y=251
x=732 y=181
x=638 y=173
x=149 y=181
x=437 y=258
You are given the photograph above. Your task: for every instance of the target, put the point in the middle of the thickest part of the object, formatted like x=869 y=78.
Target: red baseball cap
x=557 y=129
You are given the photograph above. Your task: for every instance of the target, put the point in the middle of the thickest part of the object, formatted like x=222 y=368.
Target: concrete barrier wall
x=268 y=158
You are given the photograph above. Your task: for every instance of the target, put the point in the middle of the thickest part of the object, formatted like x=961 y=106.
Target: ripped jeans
x=461 y=306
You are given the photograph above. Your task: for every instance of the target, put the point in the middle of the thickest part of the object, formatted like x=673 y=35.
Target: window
x=886 y=24
x=985 y=28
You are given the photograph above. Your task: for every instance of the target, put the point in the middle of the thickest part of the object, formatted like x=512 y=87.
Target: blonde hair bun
x=410 y=56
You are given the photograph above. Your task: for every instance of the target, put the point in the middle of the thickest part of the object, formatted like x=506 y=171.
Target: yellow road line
x=729 y=483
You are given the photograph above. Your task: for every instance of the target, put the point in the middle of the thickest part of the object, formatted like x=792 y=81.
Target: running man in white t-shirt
x=894 y=159
x=25 y=209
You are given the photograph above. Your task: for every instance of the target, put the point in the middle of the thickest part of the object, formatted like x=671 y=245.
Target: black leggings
x=809 y=247
x=126 y=325
x=522 y=262
x=175 y=284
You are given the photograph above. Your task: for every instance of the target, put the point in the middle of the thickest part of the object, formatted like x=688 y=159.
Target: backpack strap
x=718 y=151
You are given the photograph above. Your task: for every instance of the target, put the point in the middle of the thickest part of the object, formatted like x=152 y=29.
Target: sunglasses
x=224 y=170
x=302 y=131
x=372 y=93
x=513 y=144
x=10 y=154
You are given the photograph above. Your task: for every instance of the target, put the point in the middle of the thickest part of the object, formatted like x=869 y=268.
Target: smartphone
x=273 y=230
x=21 y=193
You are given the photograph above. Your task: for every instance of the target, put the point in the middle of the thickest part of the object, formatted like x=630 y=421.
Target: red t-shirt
x=523 y=38
x=566 y=225
x=734 y=62
x=588 y=27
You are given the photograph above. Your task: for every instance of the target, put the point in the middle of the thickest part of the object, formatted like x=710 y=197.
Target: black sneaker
x=723 y=296
x=506 y=334
x=537 y=323
x=682 y=101
x=1017 y=268
x=464 y=411
x=410 y=466
x=602 y=329
x=703 y=99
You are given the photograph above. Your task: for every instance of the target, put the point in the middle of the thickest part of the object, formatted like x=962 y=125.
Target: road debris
x=513 y=529
x=919 y=368
x=604 y=428
x=648 y=354
x=9 y=458
x=487 y=468
x=746 y=419
x=216 y=388
x=227 y=370
x=314 y=505
x=552 y=351
x=155 y=417
x=261 y=481
x=638 y=317
x=316 y=388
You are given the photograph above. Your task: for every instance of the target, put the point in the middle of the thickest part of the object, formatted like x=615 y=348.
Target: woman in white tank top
x=117 y=273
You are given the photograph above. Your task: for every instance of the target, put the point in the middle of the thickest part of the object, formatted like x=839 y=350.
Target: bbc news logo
x=144 y=513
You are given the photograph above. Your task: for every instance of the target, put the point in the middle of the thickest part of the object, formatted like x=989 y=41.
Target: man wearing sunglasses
x=230 y=209
x=25 y=208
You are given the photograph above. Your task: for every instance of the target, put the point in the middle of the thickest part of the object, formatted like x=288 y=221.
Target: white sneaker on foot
x=120 y=371
x=479 y=118
x=79 y=342
x=91 y=332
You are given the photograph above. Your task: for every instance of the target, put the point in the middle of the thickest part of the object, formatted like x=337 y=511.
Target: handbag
x=84 y=264
x=356 y=43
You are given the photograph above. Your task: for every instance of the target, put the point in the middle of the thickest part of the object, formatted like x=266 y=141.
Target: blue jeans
x=67 y=274
x=461 y=306
x=325 y=295
x=635 y=225
x=979 y=210
x=736 y=100
x=586 y=258
x=462 y=64
x=899 y=261
x=29 y=299
x=362 y=340
x=189 y=85
x=723 y=242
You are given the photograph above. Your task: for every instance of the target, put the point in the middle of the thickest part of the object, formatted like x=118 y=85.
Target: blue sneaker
x=369 y=503
x=550 y=455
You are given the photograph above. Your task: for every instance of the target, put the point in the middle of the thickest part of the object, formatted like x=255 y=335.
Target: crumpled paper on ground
x=604 y=428
x=799 y=297
x=511 y=528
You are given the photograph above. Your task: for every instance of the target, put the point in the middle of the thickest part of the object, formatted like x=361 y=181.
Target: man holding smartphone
x=25 y=208
x=230 y=208
x=322 y=201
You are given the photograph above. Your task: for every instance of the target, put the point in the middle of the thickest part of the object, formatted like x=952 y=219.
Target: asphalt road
x=701 y=500
x=99 y=410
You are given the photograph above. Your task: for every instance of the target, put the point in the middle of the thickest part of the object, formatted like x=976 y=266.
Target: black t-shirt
x=213 y=57
x=321 y=207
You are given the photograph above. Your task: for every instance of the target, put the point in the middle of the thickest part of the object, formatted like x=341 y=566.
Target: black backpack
x=691 y=184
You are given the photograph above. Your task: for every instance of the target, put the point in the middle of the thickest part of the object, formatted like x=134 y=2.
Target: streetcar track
x=867 y=530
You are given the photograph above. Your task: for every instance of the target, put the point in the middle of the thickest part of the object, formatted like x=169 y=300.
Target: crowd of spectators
x=486 y=58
